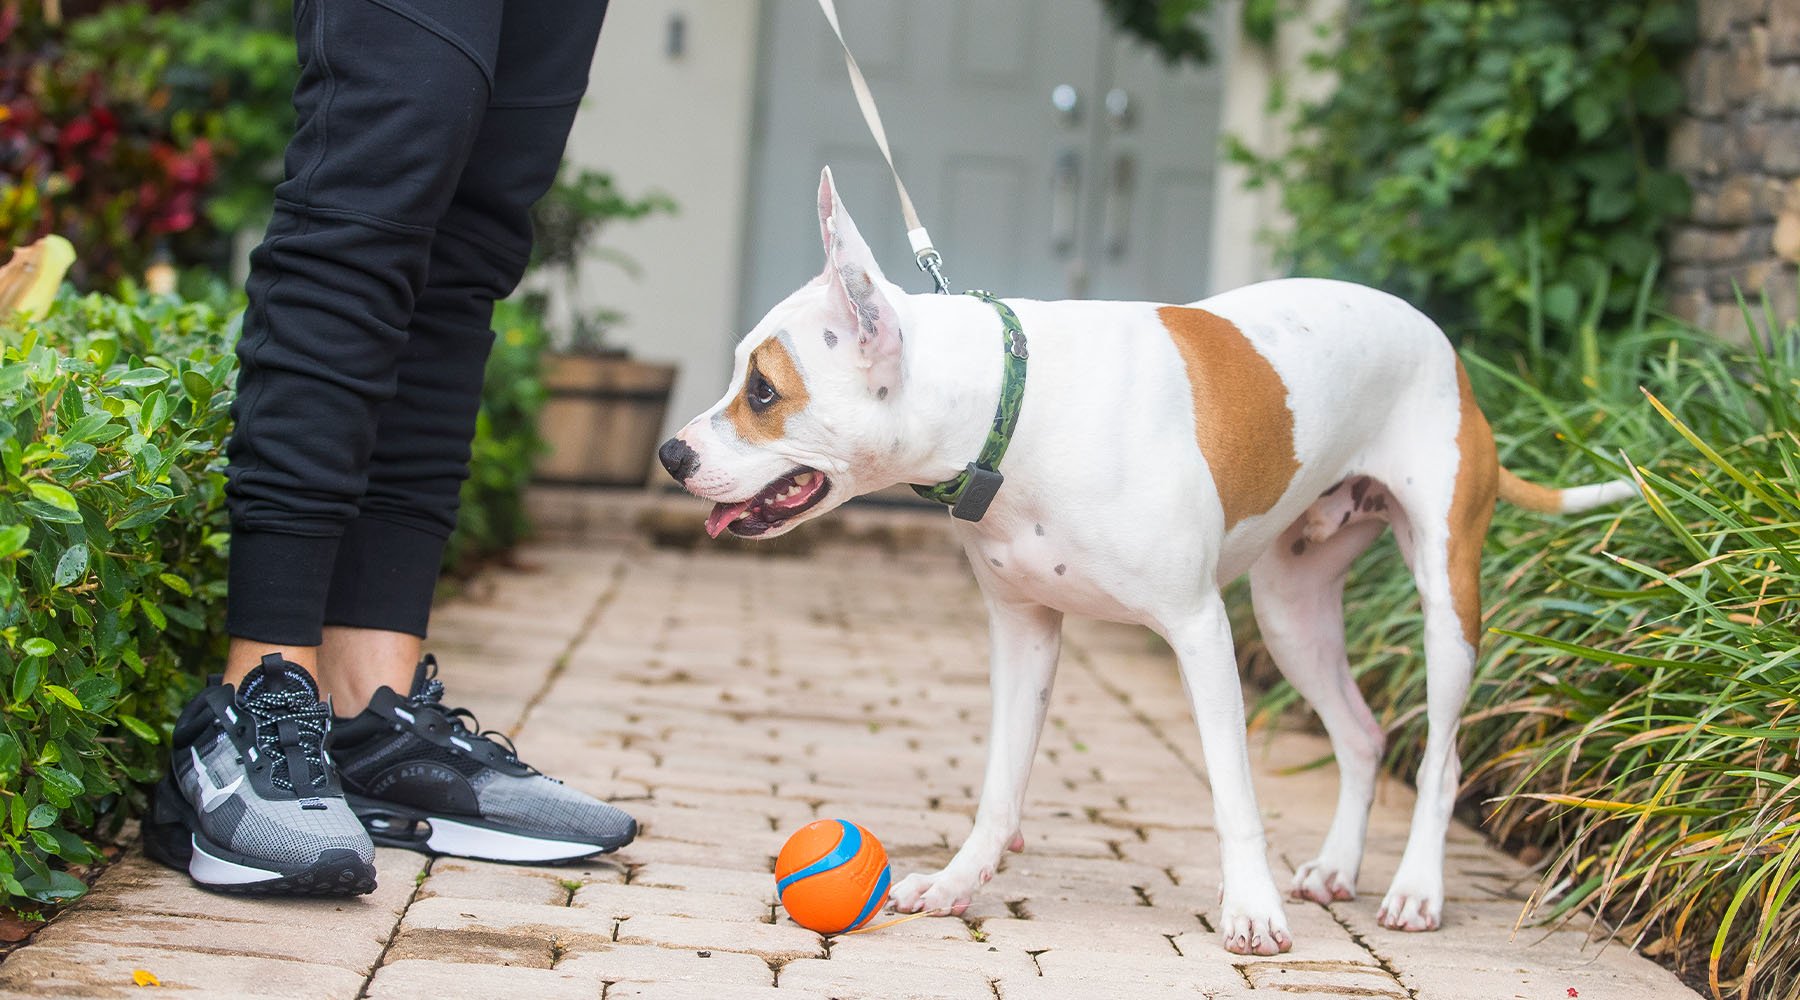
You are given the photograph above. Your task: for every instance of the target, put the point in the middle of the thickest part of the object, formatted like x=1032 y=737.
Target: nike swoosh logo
x=211 y=795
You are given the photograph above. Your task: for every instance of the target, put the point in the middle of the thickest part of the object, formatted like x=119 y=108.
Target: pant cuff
x=385 y=576
x=278 y=584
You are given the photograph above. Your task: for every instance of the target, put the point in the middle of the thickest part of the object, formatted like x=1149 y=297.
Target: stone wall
x=1739 y=147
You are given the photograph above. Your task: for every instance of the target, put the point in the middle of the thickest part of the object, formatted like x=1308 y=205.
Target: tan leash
x=929 y=260
x=899 y=920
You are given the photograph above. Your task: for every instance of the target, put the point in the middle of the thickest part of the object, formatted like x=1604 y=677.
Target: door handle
x=1067 y=102
x=1119 y=110
x=1065 y=192
x=1119 y=190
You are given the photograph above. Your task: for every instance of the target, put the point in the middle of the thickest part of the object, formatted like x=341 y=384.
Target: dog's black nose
x=678 y=458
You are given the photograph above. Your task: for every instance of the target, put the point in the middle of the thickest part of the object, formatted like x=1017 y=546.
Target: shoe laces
x=291 y=725
x=430 y=698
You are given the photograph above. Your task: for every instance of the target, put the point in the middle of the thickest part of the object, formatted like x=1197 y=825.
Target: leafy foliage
x=566 y=223
x=141 y=126
x=221 y=72
x=112 y=547
x=1467 y=142
x=1636 y=710
x=1172 y=27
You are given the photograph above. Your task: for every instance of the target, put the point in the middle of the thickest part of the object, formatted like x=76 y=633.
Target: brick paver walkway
x=728 y=698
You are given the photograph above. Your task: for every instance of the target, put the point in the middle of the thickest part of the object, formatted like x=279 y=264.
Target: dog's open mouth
x=779 y=502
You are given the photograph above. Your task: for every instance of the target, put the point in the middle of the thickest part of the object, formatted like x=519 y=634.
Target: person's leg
x=420 y=773
x=390 y=98
x=387 y=562
x=371 y=171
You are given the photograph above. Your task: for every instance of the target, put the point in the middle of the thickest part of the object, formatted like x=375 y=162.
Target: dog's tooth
x=804 y=479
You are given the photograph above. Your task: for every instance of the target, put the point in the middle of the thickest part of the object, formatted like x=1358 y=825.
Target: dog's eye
x=761 y=394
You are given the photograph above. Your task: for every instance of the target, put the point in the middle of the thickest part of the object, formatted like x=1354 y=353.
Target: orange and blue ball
x=832 y=876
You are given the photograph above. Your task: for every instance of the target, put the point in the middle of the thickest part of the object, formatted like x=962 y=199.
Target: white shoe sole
x=463 y=840
x=209 y=870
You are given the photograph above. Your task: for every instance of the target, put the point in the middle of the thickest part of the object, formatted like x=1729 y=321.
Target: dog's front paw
x=1324 y=882
x=941 y=892
x=1256 y=929
x=1410 y=907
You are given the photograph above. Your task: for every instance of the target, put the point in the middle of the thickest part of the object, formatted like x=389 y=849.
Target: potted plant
x=603 y=418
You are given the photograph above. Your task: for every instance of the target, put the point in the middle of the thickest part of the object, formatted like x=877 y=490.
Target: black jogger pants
x=426 y=130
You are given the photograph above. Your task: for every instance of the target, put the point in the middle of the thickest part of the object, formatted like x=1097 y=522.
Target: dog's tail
x=1550 y=500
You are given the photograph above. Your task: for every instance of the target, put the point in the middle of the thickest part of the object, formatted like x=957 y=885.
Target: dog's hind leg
x=1298 y=591
x=1445 y=510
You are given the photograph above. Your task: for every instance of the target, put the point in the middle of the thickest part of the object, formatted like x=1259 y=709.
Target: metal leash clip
x=932 y=263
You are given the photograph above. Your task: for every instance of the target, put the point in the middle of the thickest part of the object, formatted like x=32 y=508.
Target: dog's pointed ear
x=859 y=291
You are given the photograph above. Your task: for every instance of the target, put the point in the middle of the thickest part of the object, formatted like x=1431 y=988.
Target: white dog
x=1159 y=452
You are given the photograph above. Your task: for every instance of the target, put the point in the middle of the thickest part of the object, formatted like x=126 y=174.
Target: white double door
x=1050 y=157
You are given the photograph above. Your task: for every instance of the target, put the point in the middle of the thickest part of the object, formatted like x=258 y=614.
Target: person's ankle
x=245 y=655
x=354 y=663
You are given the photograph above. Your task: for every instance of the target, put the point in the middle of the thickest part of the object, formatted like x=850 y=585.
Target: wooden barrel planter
x=603 y=420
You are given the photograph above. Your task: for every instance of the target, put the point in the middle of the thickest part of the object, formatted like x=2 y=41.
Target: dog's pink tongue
x=722 y=515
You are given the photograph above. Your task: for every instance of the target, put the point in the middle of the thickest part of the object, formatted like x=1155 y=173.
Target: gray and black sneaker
x=423 y=776
x=250 y=803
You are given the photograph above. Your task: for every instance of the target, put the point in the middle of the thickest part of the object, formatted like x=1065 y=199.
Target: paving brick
x=639 y=963
x=1044 y=935
x=456 y=878
x=100 y=969
x=758 y=885
x=705 y=991
x=1142 y=972
x=884 y=981
x=627 y=901
x=425 y=980
x=1017 y=988
x=489 y=931
x=1475 y=952
x=987 y=958
x=1105 y=914
x=1290 y=975
x=748 y=855
x=715 y=827
x=771 y=941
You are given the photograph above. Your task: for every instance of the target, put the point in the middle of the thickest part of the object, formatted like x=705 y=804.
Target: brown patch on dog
x=1471 y=508
x=771 y=361
x=1241 y=415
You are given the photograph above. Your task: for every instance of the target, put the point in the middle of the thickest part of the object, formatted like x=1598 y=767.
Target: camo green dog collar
x=970 y=491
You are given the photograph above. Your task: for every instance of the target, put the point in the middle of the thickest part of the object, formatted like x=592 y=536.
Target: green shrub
x=137 y=126
x=113 y=413
x=222 y=71
x=1466 y=140
x=1635 y=715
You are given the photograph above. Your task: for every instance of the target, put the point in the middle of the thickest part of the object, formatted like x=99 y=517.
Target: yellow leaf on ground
x=144 y=977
